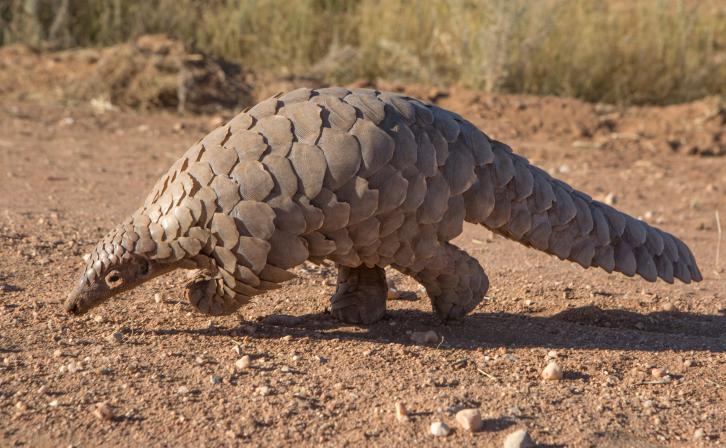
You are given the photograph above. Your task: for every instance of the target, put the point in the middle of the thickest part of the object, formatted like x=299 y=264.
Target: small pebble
x=519 y=439
x=242 y=363
x=43 y=389
x=668 y=307
x=53 y=403
x=688 y=363
x=74 y=367
x=296 y=358
x=469 y=419
x=182 y=390
x=552 y=372
x=158 y=298
x=103 y=411
x=611 y=199
x=98 y=319
x=263 y=390
x=552 y=354
x=439 y=429
x=424 y=337
x=116 y=337
x=401 y=413
x=698 y=434
x=57 y=353
x=658 y=372
x=237 y=349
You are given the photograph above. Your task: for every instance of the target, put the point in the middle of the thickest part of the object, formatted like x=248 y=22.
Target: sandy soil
x=67 y=174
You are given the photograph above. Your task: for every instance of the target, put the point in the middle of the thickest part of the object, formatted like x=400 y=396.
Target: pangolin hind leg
x=454 y=280
x=360 y=297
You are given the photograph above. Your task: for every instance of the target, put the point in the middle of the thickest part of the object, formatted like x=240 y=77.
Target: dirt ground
x=68 y=174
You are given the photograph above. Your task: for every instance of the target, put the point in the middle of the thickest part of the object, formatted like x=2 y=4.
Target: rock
x=215 y=379
x=401 y=413
x=698 y=434
x=611 y=199
x=668 y=307
x=103 y=411
x=57 y=353
x=469 y=419
x=115 y=338
x=98 y=319
x=158 y=298
x=439 y=429
x=242 y=363
x=43 y=389
x=552 y=354
x=518 y=439
x=74 y=367
x=688 y=363
x=263 y=390
x=424 y=337
x=216 y=121
x=182 y=390
x=658 y=372
x=552 y=372
x=53 y=403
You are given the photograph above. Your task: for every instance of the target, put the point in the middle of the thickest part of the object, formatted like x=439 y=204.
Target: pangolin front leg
x=361 y=295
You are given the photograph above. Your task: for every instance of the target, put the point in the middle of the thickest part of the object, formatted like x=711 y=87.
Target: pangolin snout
x=71 y=307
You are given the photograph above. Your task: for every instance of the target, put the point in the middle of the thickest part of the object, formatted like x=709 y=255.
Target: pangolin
x=366 y=179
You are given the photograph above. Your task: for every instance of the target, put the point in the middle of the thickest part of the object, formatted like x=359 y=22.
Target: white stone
x=518 y=439
x=439 y=429
x=553 y=372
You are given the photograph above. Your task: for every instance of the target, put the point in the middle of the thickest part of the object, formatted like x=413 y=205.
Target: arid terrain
x=68 y=173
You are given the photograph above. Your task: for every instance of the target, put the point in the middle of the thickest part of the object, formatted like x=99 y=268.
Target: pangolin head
x=110 y=269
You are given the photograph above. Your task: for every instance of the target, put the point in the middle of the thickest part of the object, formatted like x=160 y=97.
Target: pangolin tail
x=523 y=203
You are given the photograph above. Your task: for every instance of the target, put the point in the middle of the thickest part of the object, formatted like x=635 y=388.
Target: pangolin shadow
x=588 y=327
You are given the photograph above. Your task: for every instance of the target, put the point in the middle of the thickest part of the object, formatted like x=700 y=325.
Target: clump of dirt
x=153 y=72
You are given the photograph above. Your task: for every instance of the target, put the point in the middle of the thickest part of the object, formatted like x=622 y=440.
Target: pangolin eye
x=143 y=267
x=114 y=279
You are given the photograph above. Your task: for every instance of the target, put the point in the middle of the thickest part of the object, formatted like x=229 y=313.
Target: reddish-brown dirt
x=68 y=174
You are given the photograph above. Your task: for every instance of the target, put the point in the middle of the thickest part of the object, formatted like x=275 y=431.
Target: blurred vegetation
x=618 y=51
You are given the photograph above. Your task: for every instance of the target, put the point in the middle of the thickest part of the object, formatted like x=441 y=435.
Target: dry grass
x=644 y=51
